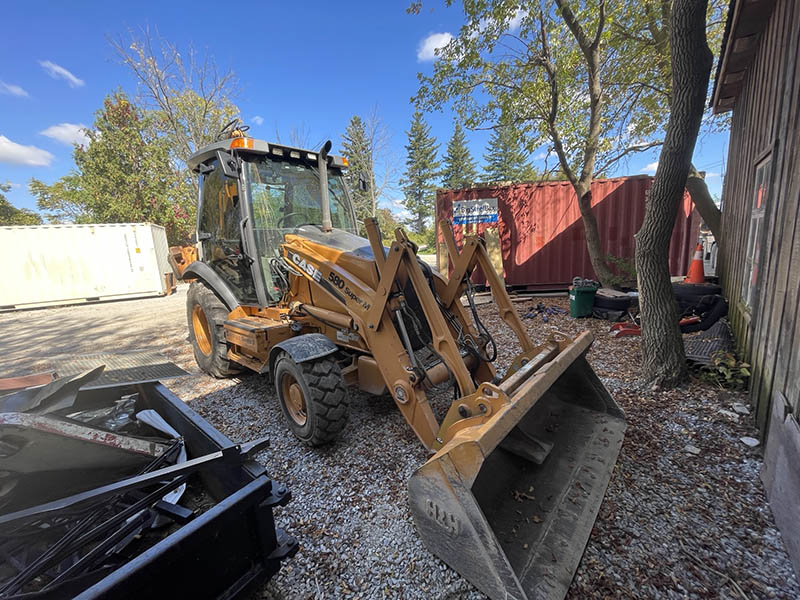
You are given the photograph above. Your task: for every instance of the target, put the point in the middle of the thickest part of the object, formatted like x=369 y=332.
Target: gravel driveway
x=673 y=524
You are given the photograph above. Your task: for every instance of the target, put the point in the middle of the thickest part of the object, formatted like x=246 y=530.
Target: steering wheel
x=231 y=127
x=279 y=224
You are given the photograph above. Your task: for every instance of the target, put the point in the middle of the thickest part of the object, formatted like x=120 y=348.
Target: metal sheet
x=135 y=367
x=541 y=234
x=701 y=348
x=38 y=443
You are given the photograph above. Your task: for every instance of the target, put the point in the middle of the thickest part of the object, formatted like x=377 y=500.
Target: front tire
x=206 y=315
x=313 y=398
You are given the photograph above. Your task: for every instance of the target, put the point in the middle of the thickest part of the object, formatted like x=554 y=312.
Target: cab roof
x=255 y=146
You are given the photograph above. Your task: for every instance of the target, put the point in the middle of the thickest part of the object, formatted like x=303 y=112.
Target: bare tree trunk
x=664 y=361
x=705 y=203
x=594 y=244
x=582 y=182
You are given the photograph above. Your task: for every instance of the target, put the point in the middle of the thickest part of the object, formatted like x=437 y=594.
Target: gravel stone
x=669 y=526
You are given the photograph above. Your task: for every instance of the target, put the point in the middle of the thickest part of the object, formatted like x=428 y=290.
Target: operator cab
x=253 y=193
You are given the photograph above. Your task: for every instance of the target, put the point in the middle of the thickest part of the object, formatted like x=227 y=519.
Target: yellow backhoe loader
x=284 y=286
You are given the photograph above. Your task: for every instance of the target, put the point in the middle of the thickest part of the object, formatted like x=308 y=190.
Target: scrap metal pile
x=88 y=483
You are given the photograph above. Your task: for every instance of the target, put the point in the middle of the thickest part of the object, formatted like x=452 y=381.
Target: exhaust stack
x=325 y=201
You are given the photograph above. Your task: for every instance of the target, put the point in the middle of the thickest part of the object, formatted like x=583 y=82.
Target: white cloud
x=650 y=168
x=17 y=154
x=513 y=24
x=516 y=20
x=58 y=72
x=258 y=120
x=12 y=90
x=428 y=46
x=711 y=174
x=68 y=133
x=540 y=156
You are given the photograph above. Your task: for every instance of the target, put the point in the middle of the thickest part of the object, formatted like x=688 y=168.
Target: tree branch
x=629 y=150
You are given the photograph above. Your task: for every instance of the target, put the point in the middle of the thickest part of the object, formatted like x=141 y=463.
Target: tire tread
x=329 y=400
x=217 y=365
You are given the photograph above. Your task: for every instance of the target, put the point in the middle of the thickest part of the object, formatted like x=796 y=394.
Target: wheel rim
x=202 y=333
x=293 y=399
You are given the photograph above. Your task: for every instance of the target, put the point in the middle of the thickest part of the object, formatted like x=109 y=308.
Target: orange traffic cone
x=696 y=273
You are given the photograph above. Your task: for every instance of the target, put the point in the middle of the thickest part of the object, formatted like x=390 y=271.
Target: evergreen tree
x=459 y=170
x=358 y=150
x=506 y=159
x=422 y=169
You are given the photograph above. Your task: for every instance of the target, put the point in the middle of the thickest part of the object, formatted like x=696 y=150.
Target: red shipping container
x=539 y=232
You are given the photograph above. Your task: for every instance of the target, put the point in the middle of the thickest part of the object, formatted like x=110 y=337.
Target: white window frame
x=756 y=231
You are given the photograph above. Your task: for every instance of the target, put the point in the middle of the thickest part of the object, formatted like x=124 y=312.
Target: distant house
x=758 y=78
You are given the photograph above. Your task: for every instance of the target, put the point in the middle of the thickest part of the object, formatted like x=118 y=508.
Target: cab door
x=219 y=231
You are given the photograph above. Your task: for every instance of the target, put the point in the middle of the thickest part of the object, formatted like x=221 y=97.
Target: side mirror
x=230 y=166
x=363 y=184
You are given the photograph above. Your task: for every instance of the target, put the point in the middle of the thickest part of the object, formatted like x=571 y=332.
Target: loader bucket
x=510 y=503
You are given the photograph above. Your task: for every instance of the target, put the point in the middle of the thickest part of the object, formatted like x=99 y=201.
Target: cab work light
x=241 y=142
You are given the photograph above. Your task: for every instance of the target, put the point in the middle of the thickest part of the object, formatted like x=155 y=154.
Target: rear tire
x=685 y=290
x=313 y=398
x=206 y=315
x=622 y=303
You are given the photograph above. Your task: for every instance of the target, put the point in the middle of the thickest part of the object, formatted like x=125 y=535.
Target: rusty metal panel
x=541 y=234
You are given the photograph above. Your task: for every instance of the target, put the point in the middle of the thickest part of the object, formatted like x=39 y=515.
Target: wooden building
x=758 y=78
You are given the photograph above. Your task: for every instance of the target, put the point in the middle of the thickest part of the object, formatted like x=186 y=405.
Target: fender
x=202 y=271
x=302 y=348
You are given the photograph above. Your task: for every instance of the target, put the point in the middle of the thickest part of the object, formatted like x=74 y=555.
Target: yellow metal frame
x=329 y=295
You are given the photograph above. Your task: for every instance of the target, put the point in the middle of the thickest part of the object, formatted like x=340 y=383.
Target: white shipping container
x=66 y=264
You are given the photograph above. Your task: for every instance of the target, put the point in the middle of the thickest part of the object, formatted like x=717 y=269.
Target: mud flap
x=512 y=520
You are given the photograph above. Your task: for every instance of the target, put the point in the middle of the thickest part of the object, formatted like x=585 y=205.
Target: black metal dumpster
x=223 y=552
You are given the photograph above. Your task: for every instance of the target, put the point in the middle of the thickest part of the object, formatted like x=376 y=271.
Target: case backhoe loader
x=285 y=286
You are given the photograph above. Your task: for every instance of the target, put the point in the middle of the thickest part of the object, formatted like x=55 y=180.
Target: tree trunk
x=664 y=362
x=705 y=203
x=593 y=243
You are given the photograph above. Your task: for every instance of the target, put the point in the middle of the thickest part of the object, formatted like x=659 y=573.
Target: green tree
x=548 y=79
x=357 y=148
x=124 y=174
x=506 y=158
x=422 y=169
x=62 y=201
x=586 y=79
x=459 y=169
x=190 y=98
x=387 y=222
x=642 y=30
x=563 y=77
x=11 y=215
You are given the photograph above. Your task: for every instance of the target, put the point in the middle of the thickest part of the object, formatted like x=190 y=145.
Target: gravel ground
x=672 y=525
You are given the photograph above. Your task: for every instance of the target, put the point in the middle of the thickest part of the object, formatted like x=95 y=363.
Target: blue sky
x=303 y=65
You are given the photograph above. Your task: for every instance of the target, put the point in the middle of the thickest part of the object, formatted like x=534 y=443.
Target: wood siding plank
x=766 y=114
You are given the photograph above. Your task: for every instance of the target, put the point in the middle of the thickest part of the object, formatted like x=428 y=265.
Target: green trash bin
x=581 y=300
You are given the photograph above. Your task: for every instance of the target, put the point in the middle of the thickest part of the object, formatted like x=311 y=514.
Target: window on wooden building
x=756 y=234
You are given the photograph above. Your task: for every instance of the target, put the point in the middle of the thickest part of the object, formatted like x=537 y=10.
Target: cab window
x=219 y=219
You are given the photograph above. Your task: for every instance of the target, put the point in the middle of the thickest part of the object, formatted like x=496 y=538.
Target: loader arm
x=373 y=312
